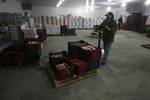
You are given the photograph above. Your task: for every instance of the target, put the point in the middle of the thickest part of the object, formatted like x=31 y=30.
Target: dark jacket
x=108 y=35
x=120 y=20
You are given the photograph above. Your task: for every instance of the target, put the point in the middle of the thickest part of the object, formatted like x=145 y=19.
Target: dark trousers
x=107 y=47
x=119 y=26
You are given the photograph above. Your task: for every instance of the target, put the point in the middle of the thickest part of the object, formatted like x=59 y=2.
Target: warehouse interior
x=41 y=57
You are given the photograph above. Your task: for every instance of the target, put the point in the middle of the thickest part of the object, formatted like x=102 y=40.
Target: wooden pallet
x=74 y=79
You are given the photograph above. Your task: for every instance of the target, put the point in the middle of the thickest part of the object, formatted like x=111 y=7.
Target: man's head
x=109 y=15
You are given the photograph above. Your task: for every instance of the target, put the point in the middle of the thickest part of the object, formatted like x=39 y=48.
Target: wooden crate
x=75 y=78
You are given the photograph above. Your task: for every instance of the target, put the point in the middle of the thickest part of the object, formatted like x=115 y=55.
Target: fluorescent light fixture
x=87 y=3
x=109 y=0
x=107 y=4
x=123 y=4
x=127 y=0
x=108 y=8
x=147 y=2
x=92 y=3
x=59 y=3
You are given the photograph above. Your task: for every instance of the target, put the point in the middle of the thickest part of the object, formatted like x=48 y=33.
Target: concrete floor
x=125 y=77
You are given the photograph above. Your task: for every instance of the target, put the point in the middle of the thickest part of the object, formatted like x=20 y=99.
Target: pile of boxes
x=72 y=22
x=81 y=58
x=53 y=30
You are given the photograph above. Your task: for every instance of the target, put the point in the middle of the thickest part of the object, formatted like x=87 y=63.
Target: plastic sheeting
x=52 y=30
x=72 y=22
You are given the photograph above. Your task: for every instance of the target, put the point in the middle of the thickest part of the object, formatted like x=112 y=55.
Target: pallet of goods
x=81 y=62
x=32 y=50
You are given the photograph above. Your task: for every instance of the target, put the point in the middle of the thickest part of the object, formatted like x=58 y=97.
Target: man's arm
x=112 y=27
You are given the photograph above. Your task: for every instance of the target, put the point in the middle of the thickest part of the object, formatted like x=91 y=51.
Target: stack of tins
x=80 y=67
x=33 y=50
x=91 y=55
x=74 y=48
x=57 y=58
x=86 y=52
x=62 y=69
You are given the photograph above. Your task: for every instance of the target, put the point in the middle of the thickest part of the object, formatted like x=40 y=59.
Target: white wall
x=53 y=11
x=10 y=6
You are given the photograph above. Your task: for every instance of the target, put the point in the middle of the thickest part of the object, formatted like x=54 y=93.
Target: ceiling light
x=59 y=3
x=79 y=10
x=109 y=0
x=128 y=0
x=92 y=9
x=123 y=5
x=87 y=10
x=147 y=2
x=87 y=3
x=92 y=3
x=108 y=9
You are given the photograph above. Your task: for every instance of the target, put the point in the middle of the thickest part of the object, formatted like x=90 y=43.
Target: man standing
x=109 y=27
x=120 y=22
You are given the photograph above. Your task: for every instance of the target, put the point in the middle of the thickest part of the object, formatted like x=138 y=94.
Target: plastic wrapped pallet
x=48 y=29
x=51 y=19
x=80 y=22
x=53 y=30
x=58 y=29
x=54 y=21
x=69 y=22
x=61 y=20
x=77 y=22
x=29 y=33
x=50 y=22
x=47 y=20
x=88 y=23
x=58 y=20
x=65 y=20
x=42 y=21
x=85 y=23
x=13 y=31
x=92 y=23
